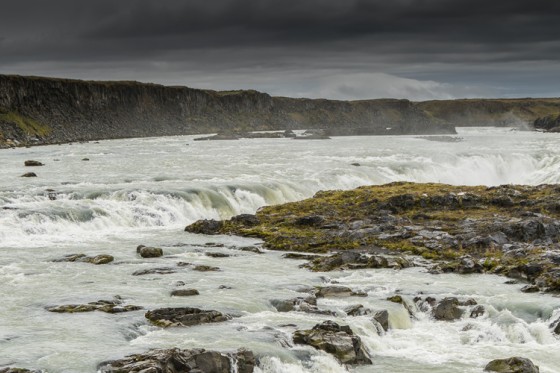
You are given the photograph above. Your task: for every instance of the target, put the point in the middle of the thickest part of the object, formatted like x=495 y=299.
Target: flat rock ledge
x=179 y=361
x=512 y=365
x=184 y=316
x=335 y=339
x=107 y=306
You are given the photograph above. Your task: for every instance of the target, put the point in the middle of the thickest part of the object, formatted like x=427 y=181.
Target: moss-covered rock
x=512 y=230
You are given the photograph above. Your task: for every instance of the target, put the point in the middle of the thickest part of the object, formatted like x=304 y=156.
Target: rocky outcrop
x=335 y=339
x=549 y=123
x=511 y=230
x=37 y=110
x=179 y=361
x=512 y=365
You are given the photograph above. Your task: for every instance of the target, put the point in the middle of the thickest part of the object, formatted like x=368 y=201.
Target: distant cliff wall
x=46 y=110
x=520 y=112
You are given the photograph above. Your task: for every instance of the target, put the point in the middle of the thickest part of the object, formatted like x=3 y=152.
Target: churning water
x=144 y=191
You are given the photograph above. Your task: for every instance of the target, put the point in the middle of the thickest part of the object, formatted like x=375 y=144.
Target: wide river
x=145 y=191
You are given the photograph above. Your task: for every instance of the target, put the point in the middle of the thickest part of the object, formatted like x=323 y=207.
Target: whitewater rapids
x=144 y=191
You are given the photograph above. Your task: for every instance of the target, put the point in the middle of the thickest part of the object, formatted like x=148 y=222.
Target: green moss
x=29 y=126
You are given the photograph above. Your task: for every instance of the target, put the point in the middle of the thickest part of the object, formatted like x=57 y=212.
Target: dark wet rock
x=512 y=365
x=29 y=174
x=355 y=164
x=225 y=287
x=205 y=268
x=85 y=159
x=335 y=339
x=555 y=326
x=179 y=361
x=184 y=316
x=300 y=304
x=155 y=271
x=357 y=310
x=32 y=163
x=217 y=255
x=448 y=309
x=184 y=292
x=19 y=370
x=247 y=220
x=382 y=317
x=477 y=311
x=149 y=252
x=530 y=289
x=208 y=226
x=98 y=259
x=107 y=306
x=336 y=291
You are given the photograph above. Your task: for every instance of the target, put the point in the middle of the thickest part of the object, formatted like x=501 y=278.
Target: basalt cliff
x=35 y=110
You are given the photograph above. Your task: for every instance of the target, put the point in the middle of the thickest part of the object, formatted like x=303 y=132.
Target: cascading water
x=144 y=191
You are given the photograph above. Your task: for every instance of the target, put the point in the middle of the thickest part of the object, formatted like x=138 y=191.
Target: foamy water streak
x=144 y=191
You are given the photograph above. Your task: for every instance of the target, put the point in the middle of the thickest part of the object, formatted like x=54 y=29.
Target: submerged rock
x=184 y=316
x=512 y=365
x=182 y=361
x=154 y=271
x=205 y=268
x=337 y=340
x=29 y=174
x=98 y=259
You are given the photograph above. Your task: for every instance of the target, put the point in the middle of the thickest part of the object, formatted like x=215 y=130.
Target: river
x=145 y=191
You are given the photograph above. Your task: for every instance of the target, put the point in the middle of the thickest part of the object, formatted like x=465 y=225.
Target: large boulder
x=184 y=316
x=512 y=365
x=448 y=309
x=149 y=252
x=337 y=340
x=179 y=361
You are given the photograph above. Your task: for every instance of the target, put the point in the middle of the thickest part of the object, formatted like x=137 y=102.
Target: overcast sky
x=342 y=49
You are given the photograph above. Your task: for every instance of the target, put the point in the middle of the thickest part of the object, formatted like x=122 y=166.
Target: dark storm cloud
x=417 y=39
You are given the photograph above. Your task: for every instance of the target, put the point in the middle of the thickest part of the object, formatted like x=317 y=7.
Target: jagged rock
x=107 y=306
x=357 y=310
x=98 y=259
x=149 y=252
x=184 y=292
x=184 y=316
x=29 y=174
x=205 y=268
x=207 y=226
x=336 y=291
x=32 y=163
x=154 y=271
x=337 y=340
x=530 y=289
x=179 y=361
x=512 y=365
x=447 y=309
x=382 y=317
x=555 y=326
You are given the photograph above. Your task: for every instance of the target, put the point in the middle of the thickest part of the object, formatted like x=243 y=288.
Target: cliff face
x=492 y=112
x=44 y=110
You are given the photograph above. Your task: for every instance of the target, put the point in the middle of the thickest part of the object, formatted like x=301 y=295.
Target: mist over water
x=144 y=191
